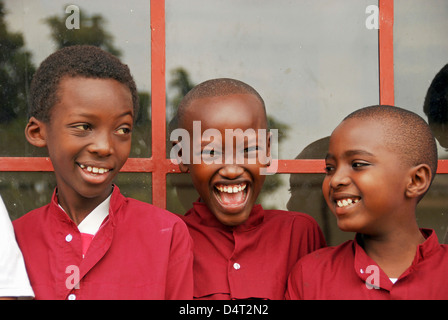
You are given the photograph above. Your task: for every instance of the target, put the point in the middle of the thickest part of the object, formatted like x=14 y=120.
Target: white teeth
x=231 y=189
x=94 y=169
x=346 y=202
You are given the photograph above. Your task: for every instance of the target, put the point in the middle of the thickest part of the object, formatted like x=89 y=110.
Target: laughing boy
x=241 y=251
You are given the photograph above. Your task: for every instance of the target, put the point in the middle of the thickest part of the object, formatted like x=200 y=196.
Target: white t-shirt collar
x=92 y=223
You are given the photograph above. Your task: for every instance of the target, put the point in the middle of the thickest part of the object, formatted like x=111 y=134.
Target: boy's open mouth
x=346 y=202
x=93 y=170
x=94 y=174
x=231 y=195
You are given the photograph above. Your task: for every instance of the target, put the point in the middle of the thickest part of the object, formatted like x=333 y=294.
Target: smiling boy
x=91 y=242
x=241 y=251
x=380 y=163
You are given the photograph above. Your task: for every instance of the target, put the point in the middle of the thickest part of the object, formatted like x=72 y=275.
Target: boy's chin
x=232 y=220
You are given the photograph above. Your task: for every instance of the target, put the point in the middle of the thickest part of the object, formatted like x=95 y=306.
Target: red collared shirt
x=140 y=252
x=347 y=272
x=251 y=260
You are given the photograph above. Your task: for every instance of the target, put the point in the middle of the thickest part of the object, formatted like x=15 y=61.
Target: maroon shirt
x=140 y=252
x=347 y=272
x=252 y=260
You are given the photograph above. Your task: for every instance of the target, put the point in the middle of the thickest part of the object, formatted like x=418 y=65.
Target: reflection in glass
x=420 y=47
x=436 y=106
x=32 y=30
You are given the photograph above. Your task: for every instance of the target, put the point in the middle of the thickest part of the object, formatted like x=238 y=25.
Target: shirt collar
x=92 y=222
x=363 y=262
x=208 y=219
x=103 y=210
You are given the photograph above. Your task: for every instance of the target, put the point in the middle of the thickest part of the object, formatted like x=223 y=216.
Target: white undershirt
x=13 y=277
x=92 y=223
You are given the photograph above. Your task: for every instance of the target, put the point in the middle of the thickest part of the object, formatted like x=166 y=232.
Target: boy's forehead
x=245 y=109
x=360 y=133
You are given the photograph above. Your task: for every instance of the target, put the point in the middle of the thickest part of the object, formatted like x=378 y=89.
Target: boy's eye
x=329 y=169
x=210 y=152
x=358 y=165
x=251 y=149
x=123 y=131
x=83 y=127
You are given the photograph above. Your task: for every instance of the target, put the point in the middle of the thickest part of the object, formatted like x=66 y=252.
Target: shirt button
x=68 y=237
x=236 y=266
x=72 y=296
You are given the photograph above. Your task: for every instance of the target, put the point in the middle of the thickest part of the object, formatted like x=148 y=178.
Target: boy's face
x=88 y=136
x=365 y=182
x=230 y=188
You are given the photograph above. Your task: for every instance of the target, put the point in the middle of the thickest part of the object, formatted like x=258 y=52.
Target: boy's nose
x=339 y=179
x=101 y=145
x=231 y=171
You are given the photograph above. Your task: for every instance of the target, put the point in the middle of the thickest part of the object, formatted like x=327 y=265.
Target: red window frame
x=160 y=166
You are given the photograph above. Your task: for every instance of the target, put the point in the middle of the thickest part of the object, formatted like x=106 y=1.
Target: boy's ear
x=177 y=150
x=420 y=180
x=35 y=132
x=184 y=168
x=268 y=147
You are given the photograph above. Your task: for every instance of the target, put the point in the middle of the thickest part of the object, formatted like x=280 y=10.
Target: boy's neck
x=393 y=252
x=78 y=208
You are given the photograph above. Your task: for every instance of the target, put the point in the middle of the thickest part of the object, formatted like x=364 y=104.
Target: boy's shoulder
x=33 y=216
x=289 y=216
x=120 y=206
x=328 y=257
x=142 y=211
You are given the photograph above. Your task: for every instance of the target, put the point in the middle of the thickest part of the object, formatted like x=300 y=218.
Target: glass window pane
x=136 y=185
x=35 y=29
x=432 y=211
x=25 y=191
x=312 y=61
x=420 y=47
x=180 y=193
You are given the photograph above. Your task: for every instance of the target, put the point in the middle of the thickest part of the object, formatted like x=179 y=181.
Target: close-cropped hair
x=215 y=88
x=436 y=99
x=406 y=133
x=75 y=61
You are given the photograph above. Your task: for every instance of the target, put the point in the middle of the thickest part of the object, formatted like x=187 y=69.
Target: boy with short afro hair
x=380 y=163
x=90 y=242
x=241 y=251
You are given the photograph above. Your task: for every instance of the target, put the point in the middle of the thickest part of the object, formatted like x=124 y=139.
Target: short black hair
x=214 y=88
x=436 y=99
x=406 y=133
x=75 y=61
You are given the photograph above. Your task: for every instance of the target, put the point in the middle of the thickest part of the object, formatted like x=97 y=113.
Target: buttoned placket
x=68 y=266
